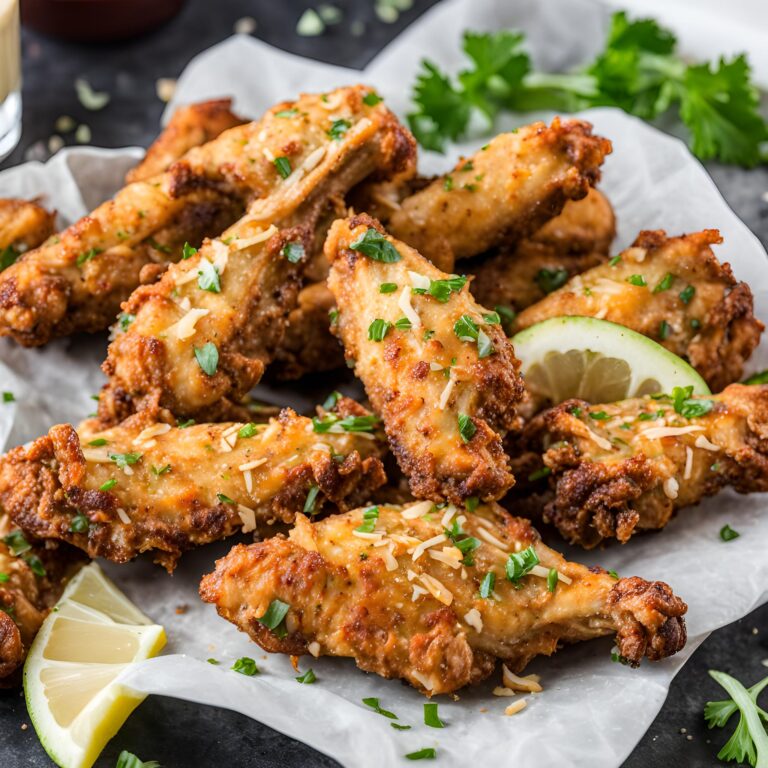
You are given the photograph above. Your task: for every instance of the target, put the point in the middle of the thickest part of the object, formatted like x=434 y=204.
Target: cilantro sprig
x=638 y=70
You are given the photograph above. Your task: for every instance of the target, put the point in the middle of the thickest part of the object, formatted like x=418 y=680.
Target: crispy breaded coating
x=504 y=192
x=435 y=364
x=143 y=487
x=24 y=224
x=401 y=603
x=516 y=277
x=189 y=126
x=673 y=290
x=235 y=294
x=615 y=469
x=33 y=575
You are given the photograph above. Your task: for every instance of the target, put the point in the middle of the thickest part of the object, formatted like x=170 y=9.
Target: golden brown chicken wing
x=230 y=300
x=436 y=365
x=607 y=471
x=517 y=276
x=33 y=575
x=24 y=224
x=504 y=192
x=189 y=126
x=151 y=487
x=674 y=290
x=420 y=594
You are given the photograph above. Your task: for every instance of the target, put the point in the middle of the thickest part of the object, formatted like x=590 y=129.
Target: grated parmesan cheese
x=436 y=588
x=150 y=432
x=435 y=367
x=446 y=393
x=248 y=518
x=671 y=487
x=314 y=648
x=656 y=433
x=123 y=515
x=248 y=477
x=702 y=442
x=369 y=536
x=450 y=556
x=95 y=457
x=474 y=619
x=489 y=538
x=389 y=558
x=529 y=683
x=515 y=707
x=417 y=510
x=185 y=328
x=251 y=465
x=417 y=592
x=269 y=154
x=601 y=442
x=313 y=159
x=220 y=255
x=247 y=242
x=423 y=679
x=419 y=281
x=450 y=511
x=688 y=463
x=404 y=302
x=425 y=545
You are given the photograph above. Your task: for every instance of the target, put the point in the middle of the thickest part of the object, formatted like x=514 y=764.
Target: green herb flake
x=431 y=718
x=614 y=261
x=472 y=503
x=664 y=330
x=247 y=430
x=539 y=474
x=371 y=99
x=688 y=407
x=599 y=416
x=665 y=283
x=245 y=666
x=128 y=760
x=378 y=329
x=184 y=424
x=215 y=662
x=207 y=358
x=448 y=183
x=375 y=246
x=338 y=129
x=403 y=324
x=109 y=485
x=309 y=503
x=370 y=518
x=284 y=114
x=9 y=397
x=387 y=287
x=442 y=289
x=307 y=678
x=79 y=524
x=88 y=255
x=283 y=166
x=637 y=280
x=613 y=574
x=8 y=256
x=373 y=703
x=467 y=427
x=728 y=534
x=209 y=278
x=428 y=753
x=400 y=727
x=519 y=564
x=294 y=252
x=158 y=471
x=123 y=460
x=550 y=280
x=274 y=616
x=4 y=577
x=687 y=294
x=552 y=578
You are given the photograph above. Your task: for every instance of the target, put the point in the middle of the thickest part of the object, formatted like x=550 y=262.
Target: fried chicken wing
x=674 y=290
x=503 y=193
x=407 y=600
x=145 y=487
x=32 y=577
x=24 y=224
x=569 y=244
x=189 y=126
x=234 y=295
x=436 y=365
x=613 y=470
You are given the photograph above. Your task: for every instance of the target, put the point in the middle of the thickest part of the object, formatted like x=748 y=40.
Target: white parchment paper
x=592 y=712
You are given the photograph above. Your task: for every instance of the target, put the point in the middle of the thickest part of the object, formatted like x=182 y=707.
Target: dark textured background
x=181 y=735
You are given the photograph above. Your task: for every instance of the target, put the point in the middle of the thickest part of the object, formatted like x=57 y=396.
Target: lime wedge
x=70 y=677
x=597 y=361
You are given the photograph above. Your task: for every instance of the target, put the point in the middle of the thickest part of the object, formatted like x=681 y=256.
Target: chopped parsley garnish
x=87 y=256
x=448 y=183
x=339 y=128
x=307 y=678
x=373 y=703
x=331 y=401
x=215 y=662
x=649 y=416
x=286 y=113
x=428 y=753
x=613 y=574
x=247 y=430
x=246 y=666
x=207 y=357
x=370 y=518
x=35 y=565
x=208 y=277
x=16 y=542
x=184 y=424
x=387 y=287
x=664 y=330
x=467 y=427
x=687 y=294
x=8 y=256
x=187 y=252
x=638 y=280
x=274 y=616
x=465 y=543
x=487 y=585
x=157 y=471
x=614 y=261
x=520 y=564
x=224 y=499
x=442 y=289
x=158 y=246
x=294 y=252
x=492 y=318
x=550 y=280
x=599 y=415
x=109 y=485
x=375 y=246
x=309 y=503
x=124 y=459
x=431 y=718
x=330 y=421
x=539 y=474
x=749 y=742
x=403 y=324
x=333 y=316
x=125 y=319
x=283 y=165
x=695 y=324
x=378 y=329
x=466 y=329
x=427 y=335
x=9 y=397
x=98 y=441
x=79 y=524
x=728 y=534
x=575 y=411
x=665 y=283
x=4 y=577
x=552 y=579
x=129 y=760
x=688 y=407
x=472 y=503
x=757 y=378
x=399 y=727
x=371 y=99
x=617 y=658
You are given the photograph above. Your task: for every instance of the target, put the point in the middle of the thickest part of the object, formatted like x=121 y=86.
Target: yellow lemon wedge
x=597 y=361
x=73 y=696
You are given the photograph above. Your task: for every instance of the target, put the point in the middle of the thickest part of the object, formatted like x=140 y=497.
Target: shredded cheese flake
x=435 y=367
x=313 y=159
x=248 y=518
x=489 y=538
x=671 y=487
x=225 y=446
x=515 y=707
x=425 y=545
x=247 y=242
x=368 y=536
x=529 y=683
x=314 y=648
x=436 y=588
x=251 y=464
x=540 y=570
x=248 y=477
x=404 y=302
x=656 y=433
x=474 y=619
x=95 y=457
x=423 y=679
x=419 y=281
x=688 y=463
x=150 y=432
x=417 y=592
x=702 y=442
x=450 y=556
x=417 y=510
x=185 y=328
x=220 y=255
x=450 y=511
x=269 y=154
x=601 y=442
x=186 y=277
x=123 y=515
x=389 y=558
x=446 y=393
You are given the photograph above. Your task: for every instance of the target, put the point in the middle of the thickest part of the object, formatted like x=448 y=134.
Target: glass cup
x=10 y=77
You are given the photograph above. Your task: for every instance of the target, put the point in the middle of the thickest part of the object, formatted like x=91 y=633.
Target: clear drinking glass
x=10 y=77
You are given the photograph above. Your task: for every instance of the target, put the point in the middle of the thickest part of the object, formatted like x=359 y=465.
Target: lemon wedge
x=597 y=361
x=73 y=696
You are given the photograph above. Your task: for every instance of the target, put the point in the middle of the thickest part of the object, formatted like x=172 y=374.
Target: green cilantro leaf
x=207 y=357
x=375 y=246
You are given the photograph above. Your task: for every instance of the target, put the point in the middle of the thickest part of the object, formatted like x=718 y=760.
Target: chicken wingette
x=199 y=339
x=674 y=290
x=145 y=487
x=514 y=277
x=433 y=596
x=435 y=364
x=33 y=575
x=504 y=192
x=189 y=126
x=608 y=471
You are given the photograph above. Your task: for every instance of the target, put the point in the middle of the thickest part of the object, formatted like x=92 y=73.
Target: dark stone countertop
x=179 y=734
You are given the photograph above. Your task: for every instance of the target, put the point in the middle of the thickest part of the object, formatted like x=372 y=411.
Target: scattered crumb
x=689 y=737
x=165 y=87
x=55 y=143
x=683 y=730
x=310 y=24
x=764 y=662
x=245 y=26
x=64 y=124
x=90 y=99
x=211 y=646
x=483 y=709
x=764 y=197
x=515 y=707
x=755 y=630
x=83 y=134
x=24 y=726
x=181 y=609
x=357 y=28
